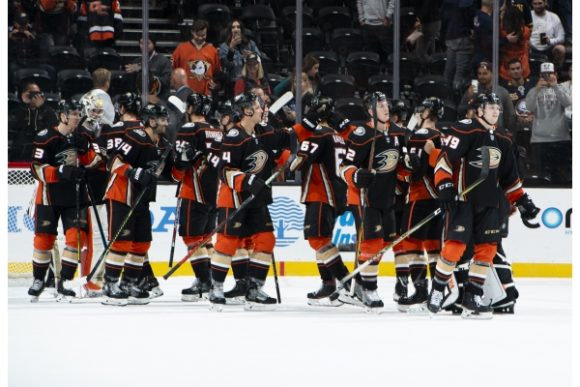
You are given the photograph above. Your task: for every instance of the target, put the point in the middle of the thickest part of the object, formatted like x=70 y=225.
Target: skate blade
x=324 y=302
x=471 y=315
x=114 y=301
x=64 y=299
x=413 y=309
x=155 y=292
x=216 y=307
x=193 y=298
x=138 y=301
x=34 y=299
x=257 y=307
x=236 y=301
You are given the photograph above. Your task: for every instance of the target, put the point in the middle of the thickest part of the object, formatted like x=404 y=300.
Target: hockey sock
x=259 y=265
x=199 y=261
x=369 y=275
x=40 y=263
x=240 y=263
x=418 y=268
x=330 y=263
x=443 y=272
x=114 y=264
x=133 y=265
x=402 y=271
x=477 y=275
x=220 y=265
x=146 y=270
x=69 y=261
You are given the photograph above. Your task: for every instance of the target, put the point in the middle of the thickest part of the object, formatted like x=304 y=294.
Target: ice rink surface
x=171 y=343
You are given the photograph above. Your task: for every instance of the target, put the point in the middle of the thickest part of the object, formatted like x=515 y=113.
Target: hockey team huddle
x=440 y=198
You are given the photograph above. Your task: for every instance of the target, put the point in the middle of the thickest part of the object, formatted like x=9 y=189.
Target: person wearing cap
x=551 y=141
x=484 y=80
x=252 y=75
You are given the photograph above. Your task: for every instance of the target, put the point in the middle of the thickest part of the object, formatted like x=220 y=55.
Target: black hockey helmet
x=65 y=106
x=323 y=107
x=225 y=108
x=243 y=101
x=435 y=106
x=375 y=96
x=400 y=109
x=200 y=104
x=162 y=111
x=130 y=101
x=483 y=99
x=148 y=112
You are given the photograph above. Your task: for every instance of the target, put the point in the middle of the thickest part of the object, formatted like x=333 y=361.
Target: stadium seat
x=258 y=16
x=274 y=80
x=71 y=82
x=536 y=61
x=353 y=108
x=120 y=82
x=345 y=40
x=437 y=64
x=408 y=66
x=312 y=39
x=330 y=18
x=64 y=58
x=382 y=83
x=52 y=100
x=106 y=58
x=39 y=76
x=432 y=86
x=269 y=43
x=361 y=65
x=337 y=86
x=218 y=17
x=289 y=17
x=450 y=111
x=317 y=5
x=328 y=62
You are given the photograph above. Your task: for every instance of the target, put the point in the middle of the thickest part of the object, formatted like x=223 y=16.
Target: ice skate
x=137 y=296
x=256 y=298
x=198 y=291
x=417 y=302
x=435 y=300
x=114 y=295
x=321 y=297
x=64 y=294
x=216 y=296
x=473 y=307
x=151 y=285
x=237 y=295
x=401 y=289
x=36 y=289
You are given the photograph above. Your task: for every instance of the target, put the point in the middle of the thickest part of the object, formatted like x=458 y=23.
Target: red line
x=281 y=268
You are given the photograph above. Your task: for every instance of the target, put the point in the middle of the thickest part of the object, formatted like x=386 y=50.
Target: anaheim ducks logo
x=494 y=158
x=257 y=161
x=67 y=157
x=387 y=161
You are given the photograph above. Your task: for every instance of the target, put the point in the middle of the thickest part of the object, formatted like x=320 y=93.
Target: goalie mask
x=93 y=107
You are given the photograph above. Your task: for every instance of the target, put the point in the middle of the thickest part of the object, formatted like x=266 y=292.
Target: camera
x=33 y=94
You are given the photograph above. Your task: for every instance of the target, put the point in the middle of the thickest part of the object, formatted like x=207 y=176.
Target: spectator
x=567 y=88
x=199 y=59
x=101 y=21
x=514 y=40
x=482 y=32
x=101 y=84
x=428 y=22
x=459 y=16
x=159 y=66
x=176 y=103
x=53 y=23
x=517 y=85
x=22 y=47
x=376 y=20
x=32 y=116
x=551 y=141
x=484 y=78
x=311 y=66
x=548 y=34
x=252 y=75
x=179 y=85
x=234 y=49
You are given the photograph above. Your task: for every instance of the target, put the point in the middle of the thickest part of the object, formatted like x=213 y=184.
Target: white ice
x=171 y=343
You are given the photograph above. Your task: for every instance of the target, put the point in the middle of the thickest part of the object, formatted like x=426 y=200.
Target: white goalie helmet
x=93 y=107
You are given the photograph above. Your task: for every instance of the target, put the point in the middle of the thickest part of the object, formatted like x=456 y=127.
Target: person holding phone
x=548 y=34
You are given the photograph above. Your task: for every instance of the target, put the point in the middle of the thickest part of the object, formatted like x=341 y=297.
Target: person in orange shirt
x=199 y=59
x=514 y=41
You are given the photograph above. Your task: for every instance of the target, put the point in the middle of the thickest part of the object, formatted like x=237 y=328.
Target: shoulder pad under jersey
x=118 y=124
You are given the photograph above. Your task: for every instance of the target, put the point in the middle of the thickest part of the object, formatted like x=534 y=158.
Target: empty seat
x=289 y=17
x=536 y=61
x=431 y=86
x=328 y=62
x=408 y=67
x=382 y=83
x=258 y=16
x=63 y=58
x=437 y=63
x=353 y=108
x=52 y=100
x=71 y=82
x=346 y=40
x=39 y=76
x=106 y=58
x=330 y=18
x=312 y=39
x=120 y=82
x=337 y=86
x=274 y=80
x=361 y=65
x=317 y=5
x=218 y=17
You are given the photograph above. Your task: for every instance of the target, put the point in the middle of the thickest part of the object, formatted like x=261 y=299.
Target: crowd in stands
x=446 y=51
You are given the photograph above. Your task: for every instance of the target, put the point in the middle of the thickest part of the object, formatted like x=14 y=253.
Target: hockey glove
x=310 y=120
x=338 y=121
x=528 y=209
x=447 y=195
x=187 y=157
x=363 y=178
x=140 y=176
x=254 y=185
x=68 y=172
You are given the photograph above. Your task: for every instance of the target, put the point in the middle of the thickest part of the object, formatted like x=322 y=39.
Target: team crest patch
x=422 y=131
x=233 y=133
x=360 y=131
x=43 y=132
x=140 y=132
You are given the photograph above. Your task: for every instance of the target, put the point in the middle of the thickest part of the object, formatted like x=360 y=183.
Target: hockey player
x=476 y=214
x=248 y=155
x=198 y=188
x=371 y=193
x=421 y=200
x=134 y=166
x=320 y=152
x=59 y=157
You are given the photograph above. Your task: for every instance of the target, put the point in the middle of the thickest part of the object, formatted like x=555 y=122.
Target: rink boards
x=541 y=248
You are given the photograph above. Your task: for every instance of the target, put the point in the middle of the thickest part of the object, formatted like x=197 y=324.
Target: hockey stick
x=276 y=279
x=424 y=221
x=91 y=198
x=175 y=226
x=219 y=227
x=145 y=190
